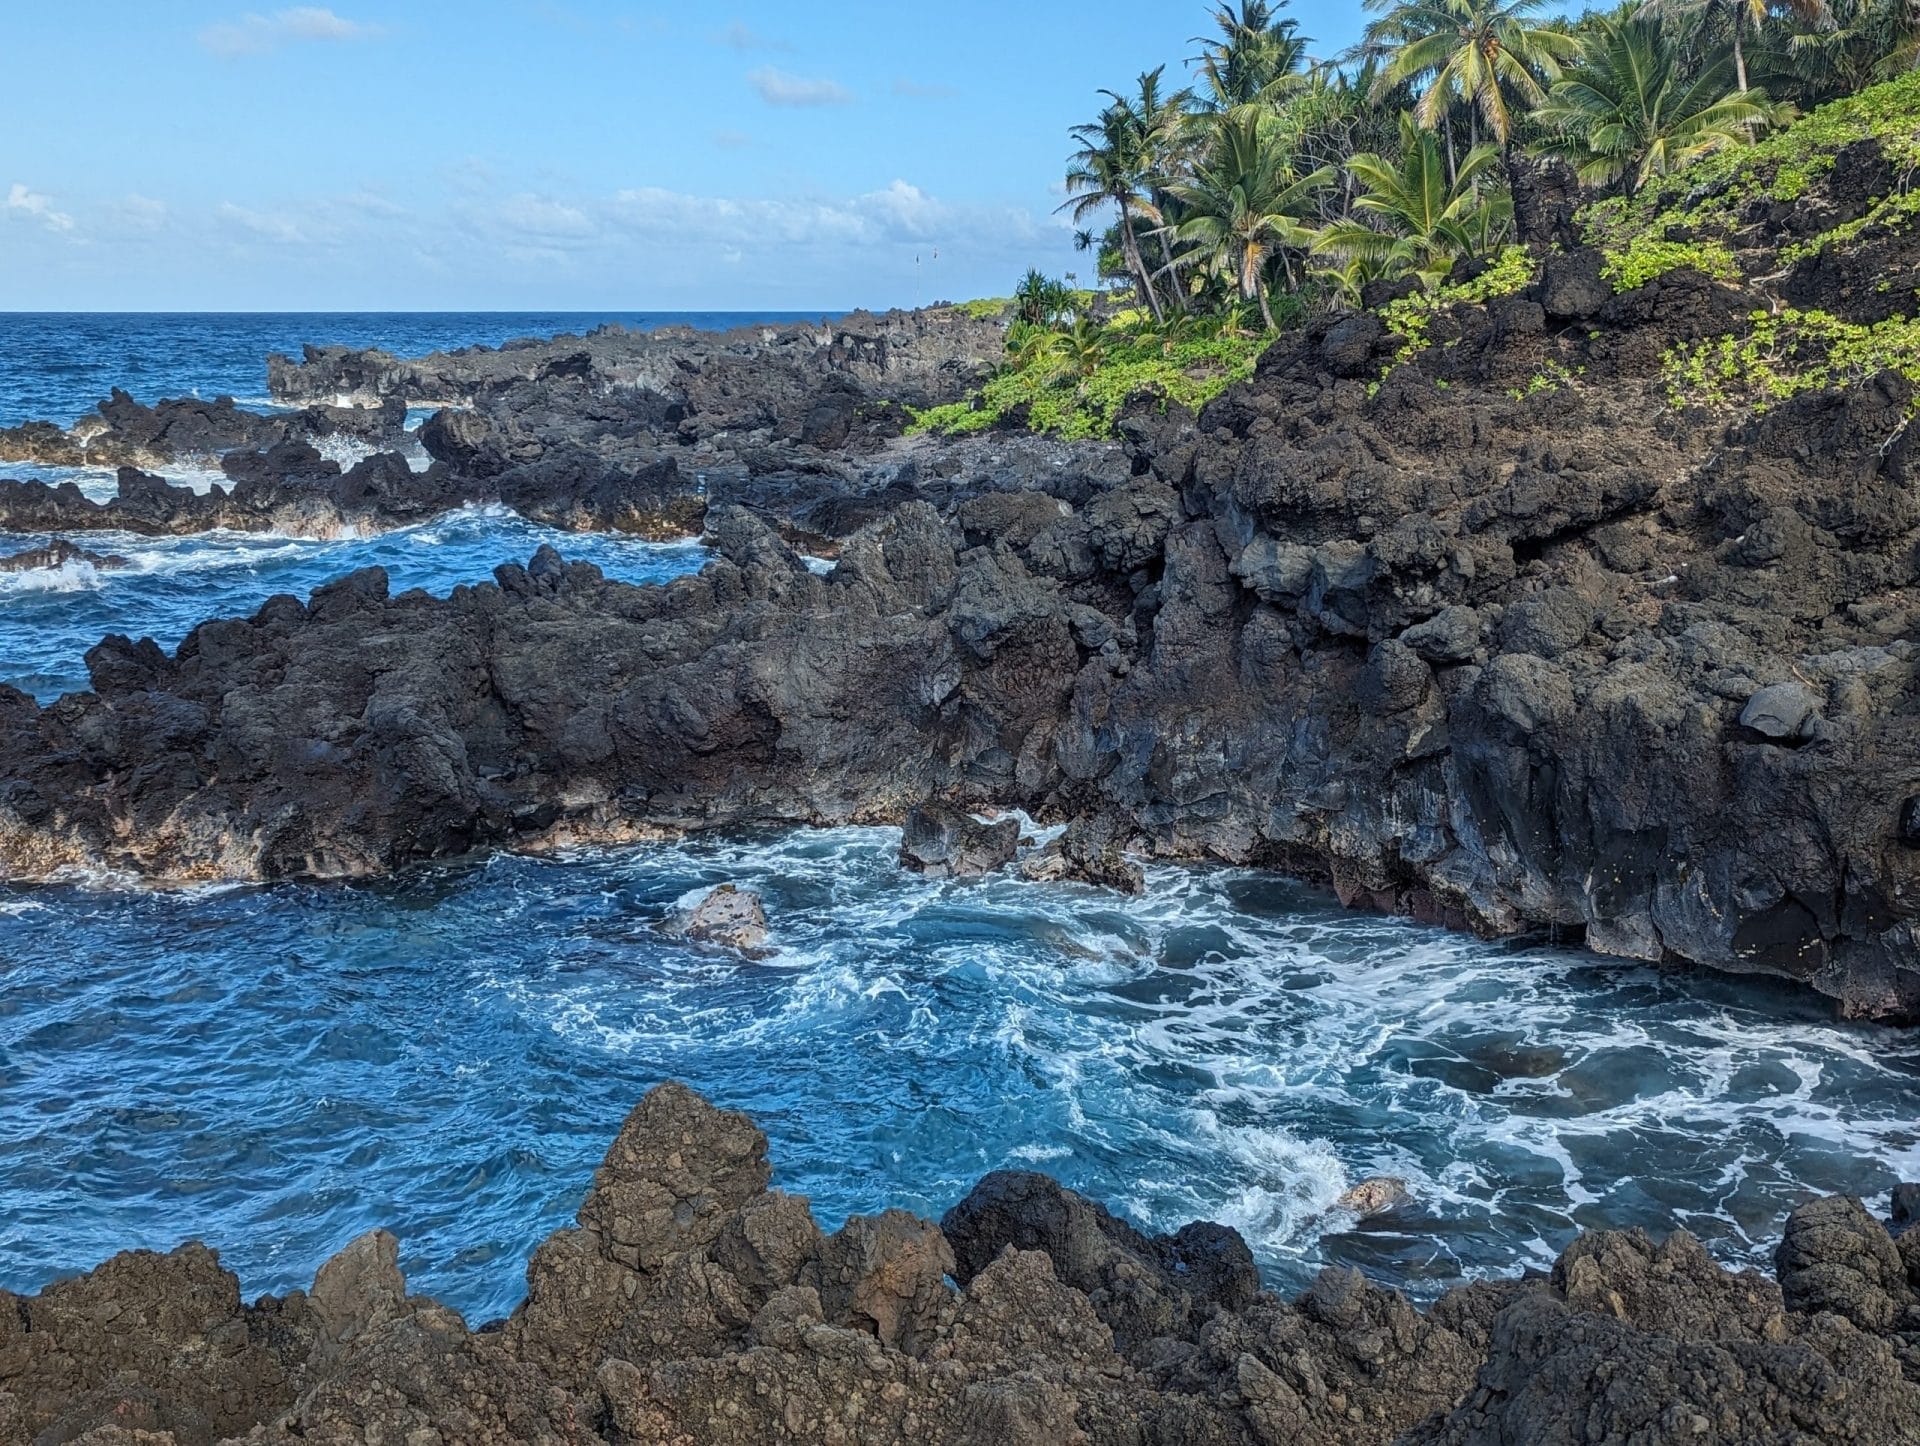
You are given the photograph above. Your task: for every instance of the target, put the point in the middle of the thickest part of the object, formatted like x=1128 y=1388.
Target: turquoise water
x=275 y=1070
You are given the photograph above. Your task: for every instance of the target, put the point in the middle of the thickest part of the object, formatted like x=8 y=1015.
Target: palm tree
x=1159 y=124
x=1476 y=52
x=1120 y=159
x=1744 y=13
x=1244 y=205
x=1429 y=220
x=1039 y=300
x=1624 y=111
x=1854 y=44
x=1256 y=57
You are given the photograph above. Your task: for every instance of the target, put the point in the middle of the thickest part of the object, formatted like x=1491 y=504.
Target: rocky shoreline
x=1458 y=647
x=694 y=1304
x=617 y=431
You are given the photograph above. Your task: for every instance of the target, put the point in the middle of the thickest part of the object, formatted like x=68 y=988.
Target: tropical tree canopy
x=1626 y=112
x=1256 y=57
x=1483 y=54
x=1246 y=203
x=1417 y=218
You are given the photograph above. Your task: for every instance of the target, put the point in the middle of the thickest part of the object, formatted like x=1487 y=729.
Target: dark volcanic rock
x=58 y=553
x=811 y=380
x=1494 y=637
x=1142 y=1287
x=123 y=432
x=692 y=1304
x=951 y=843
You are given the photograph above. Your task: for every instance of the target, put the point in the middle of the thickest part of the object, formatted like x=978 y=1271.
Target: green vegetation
x=1277 y=184
x=1707 y=199
x=1787 y=353
x=1076 y=383
x=985 y=309
x=1646 y=258
x=1630 y=109
x=1408 y=318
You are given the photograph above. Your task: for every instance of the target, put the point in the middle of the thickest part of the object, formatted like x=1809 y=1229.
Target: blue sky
x=534 y=154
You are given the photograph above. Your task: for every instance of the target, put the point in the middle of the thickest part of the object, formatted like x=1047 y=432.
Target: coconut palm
x=1854 y=44
x=1744 y=15
x=1244 y=205
x=1120 y=159
x=1424 y=220
x=1480 y=53
x=1256 y=58
x=1159 y=122
x=1625 y=112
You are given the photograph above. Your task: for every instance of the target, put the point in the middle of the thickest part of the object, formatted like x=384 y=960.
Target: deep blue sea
x=447 y=1054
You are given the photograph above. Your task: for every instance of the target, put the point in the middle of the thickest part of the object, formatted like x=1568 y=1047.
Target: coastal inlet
x=445 y=1055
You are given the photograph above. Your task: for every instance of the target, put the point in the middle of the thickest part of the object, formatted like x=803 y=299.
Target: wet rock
x=1090 y=850
x=946 y=842
x=1906 y=1207
x=59 y=553
x=729 y=917
x=1375 y=1195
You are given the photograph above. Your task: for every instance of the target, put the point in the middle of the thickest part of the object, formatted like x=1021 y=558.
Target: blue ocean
x=447 y=1054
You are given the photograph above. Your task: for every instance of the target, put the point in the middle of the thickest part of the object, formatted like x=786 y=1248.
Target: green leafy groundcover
x=1703 y=202
x=1076 y=397
x=1788 y=353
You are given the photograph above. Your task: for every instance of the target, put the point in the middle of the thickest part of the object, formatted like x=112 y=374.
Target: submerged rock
x=729 y=916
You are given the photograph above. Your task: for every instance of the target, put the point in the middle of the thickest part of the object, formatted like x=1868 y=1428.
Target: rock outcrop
x=57 y=554
x=950 y=843
x=693 y=1304
x=124 y=432
x=809 y=379
x=1479 y=627
x=728 y=917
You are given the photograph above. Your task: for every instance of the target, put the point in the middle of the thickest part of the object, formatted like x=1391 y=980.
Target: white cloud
x=739 y=36
x=900 y=213
x=258 y=34
x=777 y=87
x=530 y=219
x=732 y=140
x=264 y=224
x=137 y=213
x=34 y=204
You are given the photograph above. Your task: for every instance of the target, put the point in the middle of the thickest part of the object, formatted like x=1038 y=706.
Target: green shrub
x=1077 y=389
x=1787 y=353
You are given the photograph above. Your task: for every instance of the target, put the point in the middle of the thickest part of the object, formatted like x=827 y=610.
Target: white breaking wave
x=75 y=576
